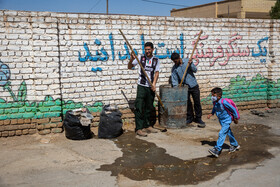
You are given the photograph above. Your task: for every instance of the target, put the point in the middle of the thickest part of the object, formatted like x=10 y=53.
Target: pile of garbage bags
x=77 y=123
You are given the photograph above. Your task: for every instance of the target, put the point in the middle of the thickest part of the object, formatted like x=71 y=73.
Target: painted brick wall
x=54 y=62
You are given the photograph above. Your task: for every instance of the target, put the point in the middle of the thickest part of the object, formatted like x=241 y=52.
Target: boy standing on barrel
x=176 y=76
x=145 y=92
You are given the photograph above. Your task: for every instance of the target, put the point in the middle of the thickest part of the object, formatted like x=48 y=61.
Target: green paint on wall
x=47 y=108
x=241 y=90
x=28 y=115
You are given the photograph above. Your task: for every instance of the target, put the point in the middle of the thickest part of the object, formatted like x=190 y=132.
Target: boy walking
x=225 y=120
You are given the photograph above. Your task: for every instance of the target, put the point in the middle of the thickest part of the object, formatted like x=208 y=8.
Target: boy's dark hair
x=175 y=56
x=217 y=91
x=149 y=44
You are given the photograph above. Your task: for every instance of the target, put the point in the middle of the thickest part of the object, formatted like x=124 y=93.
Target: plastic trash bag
x=110 y=124
x=74 y=130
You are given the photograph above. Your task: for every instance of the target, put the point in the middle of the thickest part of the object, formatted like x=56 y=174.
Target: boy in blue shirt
x=225 y=121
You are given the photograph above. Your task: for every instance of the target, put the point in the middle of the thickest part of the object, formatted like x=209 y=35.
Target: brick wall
x=258 y=5
x=54 y=62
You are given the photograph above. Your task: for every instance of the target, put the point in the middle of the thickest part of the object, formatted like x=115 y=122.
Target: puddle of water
x=143 y=160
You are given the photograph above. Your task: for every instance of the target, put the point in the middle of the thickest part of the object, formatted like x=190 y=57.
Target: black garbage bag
x=74 y=129
x=110 y=124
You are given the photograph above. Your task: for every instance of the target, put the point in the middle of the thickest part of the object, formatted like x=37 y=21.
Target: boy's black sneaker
x=214 y=152
x=201 y=123
x=233 y=148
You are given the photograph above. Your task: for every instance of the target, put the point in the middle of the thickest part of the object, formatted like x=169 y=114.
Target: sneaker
x=234 y=148
x=214 y=151
x=151 y=130
x=189 y=121
x=141 y=133
x=201 y=123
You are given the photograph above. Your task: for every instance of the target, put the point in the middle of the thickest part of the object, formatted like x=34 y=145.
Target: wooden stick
x=141 y=67
x=190 y=59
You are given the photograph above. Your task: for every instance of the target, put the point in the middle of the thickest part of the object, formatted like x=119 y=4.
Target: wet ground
x=178 y=157
x=143 y=160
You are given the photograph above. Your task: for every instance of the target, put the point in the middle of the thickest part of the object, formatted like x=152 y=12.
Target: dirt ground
x=178 y=157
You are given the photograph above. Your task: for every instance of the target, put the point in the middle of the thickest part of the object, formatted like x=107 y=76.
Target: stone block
x=27 y=120
x=11 y=12
x=5 y=134
x=14 y=121
x=32 y=131
x=96 y=119
x=129 y=115
x=57 y=130
x=95 y=114
x=43 y=132
x=24 y=126
x=18 y=132
x=60 y=124
x=53 y=125
x=44 y=120
x=32 y=126
x=125 y=111
x=12 y=133
x=25 y=131
x=20 y=121
x=58 y=119
x=40 y=127
x=47 y=126
x=11 y=127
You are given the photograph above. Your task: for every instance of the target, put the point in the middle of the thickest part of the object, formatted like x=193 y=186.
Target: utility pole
x=107 y=7
x=228 y=12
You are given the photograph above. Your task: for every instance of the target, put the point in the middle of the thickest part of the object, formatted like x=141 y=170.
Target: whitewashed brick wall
x=38 y=45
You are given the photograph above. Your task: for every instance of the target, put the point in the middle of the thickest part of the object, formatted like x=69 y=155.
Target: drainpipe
x=216 y=14
x=242 y=13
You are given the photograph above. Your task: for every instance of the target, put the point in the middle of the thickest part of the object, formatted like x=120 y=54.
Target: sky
x=134 y=7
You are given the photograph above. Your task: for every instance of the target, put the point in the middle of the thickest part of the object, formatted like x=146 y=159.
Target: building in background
x=228 y=9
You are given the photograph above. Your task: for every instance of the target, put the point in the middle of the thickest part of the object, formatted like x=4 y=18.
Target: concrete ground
x=53 y=160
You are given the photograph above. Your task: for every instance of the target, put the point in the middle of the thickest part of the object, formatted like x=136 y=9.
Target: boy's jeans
x=222 y=136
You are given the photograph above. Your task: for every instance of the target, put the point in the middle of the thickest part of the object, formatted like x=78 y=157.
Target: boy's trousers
x=223 y=134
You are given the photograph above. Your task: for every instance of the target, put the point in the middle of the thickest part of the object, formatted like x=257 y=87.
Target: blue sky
x=135 y=7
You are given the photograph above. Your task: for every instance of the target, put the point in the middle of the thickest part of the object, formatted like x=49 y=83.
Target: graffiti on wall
x=19 y=108
x=5 y=75
x=220 y=54
x=223 y=55
x=240 y=90
x=262 y=51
